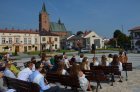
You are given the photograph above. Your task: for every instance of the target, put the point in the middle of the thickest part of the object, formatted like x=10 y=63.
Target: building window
x=29 y=40
x=35 y=40
x=29 y=47
x=50 y=39
x=25 y=40
x=55 y=46
x=17 y=40
x=3 y=40
x=10 y=40
x=43 y=39
x=55 y=39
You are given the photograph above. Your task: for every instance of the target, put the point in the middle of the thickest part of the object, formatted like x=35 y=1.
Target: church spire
x=43 y=8
x=59 y=21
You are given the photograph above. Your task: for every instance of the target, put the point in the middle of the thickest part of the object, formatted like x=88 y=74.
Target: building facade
x=135 y=35
x=19 y=40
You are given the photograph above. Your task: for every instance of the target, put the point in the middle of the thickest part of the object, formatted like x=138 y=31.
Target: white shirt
x=79 y=60
x=24 y=74
x=9 y=73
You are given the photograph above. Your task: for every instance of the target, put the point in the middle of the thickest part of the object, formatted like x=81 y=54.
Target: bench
x=97 y=76
x=65 y=80
x=108 y=70
x=21 y=86
x=127 y=67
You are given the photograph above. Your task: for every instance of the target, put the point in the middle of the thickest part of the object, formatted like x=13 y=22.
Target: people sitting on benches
x=38 y=77
x=26 y=72
x=104 y=61
x=75 y=71
x=94 y=62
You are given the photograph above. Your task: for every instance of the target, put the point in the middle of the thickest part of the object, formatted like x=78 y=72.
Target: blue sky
x=102 y=16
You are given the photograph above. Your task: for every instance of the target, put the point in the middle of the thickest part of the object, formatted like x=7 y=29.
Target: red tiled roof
x=18 y=31
x=135 y=28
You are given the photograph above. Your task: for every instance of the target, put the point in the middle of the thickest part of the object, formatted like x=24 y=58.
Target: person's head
x=74 y=70
x=39 y=65
x=61 y=66
x=115 y=60
x=33 y=58
x=30 y=65
x=8 y=64
x=110 y=56
x=43 y=71
x=81 y=55
x=85 y=60
x=94 y=59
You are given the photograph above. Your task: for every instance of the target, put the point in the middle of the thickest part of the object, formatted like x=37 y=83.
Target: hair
x=81 y=55
x=60 y=68
x=110 y=55
x=74 y=70
x=84 y=62
x=37 y=64
x=115 y=60
x=43 y=71
x=103 y=60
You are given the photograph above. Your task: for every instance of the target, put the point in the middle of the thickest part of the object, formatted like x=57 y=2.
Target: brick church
x=46 y=26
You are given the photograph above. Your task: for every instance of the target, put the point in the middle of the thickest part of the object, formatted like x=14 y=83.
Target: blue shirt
x=9 y=73
x=41 y=82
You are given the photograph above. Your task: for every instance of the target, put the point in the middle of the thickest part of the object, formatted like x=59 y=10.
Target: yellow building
x=27 y=41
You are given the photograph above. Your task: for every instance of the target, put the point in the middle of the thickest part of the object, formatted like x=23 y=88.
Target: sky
x=101 y=16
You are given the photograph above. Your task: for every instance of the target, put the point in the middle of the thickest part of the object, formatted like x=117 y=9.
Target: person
x=116 y=62
x=110 y=58
x=81 y=58
x=104 y=61
x=38 y=77
x=94 y=62
x=25 y=73
x=73 y=59
x=85 y=64
x=125 y=58
x=61 y=70
x=75 y=71
x=2 y=88
x=7 y=72
x=121 y=56
x=66 y=61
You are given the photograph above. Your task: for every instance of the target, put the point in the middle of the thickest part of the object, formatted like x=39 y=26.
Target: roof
x=135 y=28
x=45 y=33
x=19 y=31
x=57 y=27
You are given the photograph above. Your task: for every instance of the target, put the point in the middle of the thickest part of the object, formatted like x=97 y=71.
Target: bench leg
x=112 y=79
x=126 y=75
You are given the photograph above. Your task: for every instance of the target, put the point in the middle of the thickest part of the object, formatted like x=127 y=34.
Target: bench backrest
x=21 y=86
x=127 y=66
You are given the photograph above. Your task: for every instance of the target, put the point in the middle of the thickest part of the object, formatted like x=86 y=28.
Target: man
x=7 y=71
x=38 y=78
x=25 y=73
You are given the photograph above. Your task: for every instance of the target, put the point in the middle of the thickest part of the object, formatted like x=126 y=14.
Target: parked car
x=84 y=50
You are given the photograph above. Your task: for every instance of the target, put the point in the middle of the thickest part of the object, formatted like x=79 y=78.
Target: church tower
x=44 y=23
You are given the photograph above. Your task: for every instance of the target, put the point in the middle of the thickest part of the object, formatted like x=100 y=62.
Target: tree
x=120 y=39
x=79 y=33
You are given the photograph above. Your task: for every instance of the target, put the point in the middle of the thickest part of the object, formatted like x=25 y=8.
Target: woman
x=85 y=65
x=116 y=62
x=75 y=71
x=61 y=70
x=104 y=61
x=94 y=62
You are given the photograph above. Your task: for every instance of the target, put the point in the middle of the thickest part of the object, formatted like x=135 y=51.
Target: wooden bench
x=127 y=67
x=64 y=80
x=21 y=86
x=108 y=70
x=97 y=76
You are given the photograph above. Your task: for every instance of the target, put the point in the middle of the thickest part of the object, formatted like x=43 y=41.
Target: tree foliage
x=120 y=40
x=79 y=33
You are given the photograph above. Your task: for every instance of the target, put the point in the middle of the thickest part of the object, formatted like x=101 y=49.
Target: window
x=43 y=39
x=29 y=47
x=50 y=39
x=55 y=39
x=25 y=40
x=29 y=40
x=55 y=46
x=35 y=40
x=3 y=40
x=10 y=40
x=17 y=40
